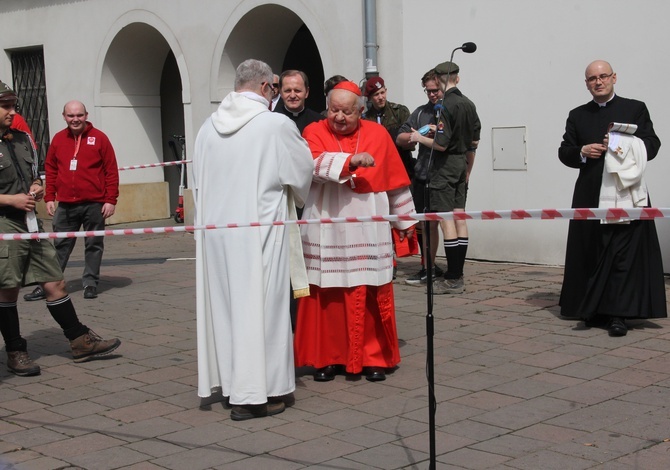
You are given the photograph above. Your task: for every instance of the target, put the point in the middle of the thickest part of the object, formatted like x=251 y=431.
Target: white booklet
x=622 y=128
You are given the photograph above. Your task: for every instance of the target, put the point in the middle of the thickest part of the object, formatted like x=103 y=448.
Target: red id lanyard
x=73 y=162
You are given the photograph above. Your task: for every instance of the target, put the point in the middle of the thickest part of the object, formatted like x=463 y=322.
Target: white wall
x=529 y=71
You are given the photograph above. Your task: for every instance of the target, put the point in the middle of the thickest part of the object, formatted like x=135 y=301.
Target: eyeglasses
x=603 y=77
x=431 y=92
x=275 y=85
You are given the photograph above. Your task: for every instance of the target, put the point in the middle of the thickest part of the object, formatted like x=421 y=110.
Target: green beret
x=446 y=68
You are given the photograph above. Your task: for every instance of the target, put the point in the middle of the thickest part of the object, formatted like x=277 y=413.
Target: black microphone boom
x=467 y=47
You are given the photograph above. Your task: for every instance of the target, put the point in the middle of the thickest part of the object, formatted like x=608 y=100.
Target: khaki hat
x=6 y=93
x=446 y=68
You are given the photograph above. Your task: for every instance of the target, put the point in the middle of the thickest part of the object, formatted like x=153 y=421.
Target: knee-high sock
x=10 y=327
x=462 y=251
x=451 y=252
x=62 y=310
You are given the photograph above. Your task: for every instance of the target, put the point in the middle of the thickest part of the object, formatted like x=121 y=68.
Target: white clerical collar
x=296 y=113
x=602 y=105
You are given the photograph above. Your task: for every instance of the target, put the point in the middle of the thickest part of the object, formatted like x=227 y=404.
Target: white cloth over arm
x=623 y=184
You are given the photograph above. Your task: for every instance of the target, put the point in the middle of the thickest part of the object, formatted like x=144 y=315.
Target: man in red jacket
x=82 y=175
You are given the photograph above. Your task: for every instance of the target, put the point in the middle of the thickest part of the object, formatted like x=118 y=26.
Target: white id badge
x=73 y=164
x=31 y=222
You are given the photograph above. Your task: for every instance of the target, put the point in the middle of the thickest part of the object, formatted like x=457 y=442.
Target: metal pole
x=370 y=7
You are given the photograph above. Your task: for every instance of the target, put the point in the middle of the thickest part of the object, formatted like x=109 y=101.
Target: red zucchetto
x=349 y=86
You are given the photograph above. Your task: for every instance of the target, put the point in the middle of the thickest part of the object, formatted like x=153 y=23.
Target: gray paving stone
x=549 y=460
x=511 y=445
x=258 y=443
x=472 y=459
x=389 y=456
x=602 y=446
x=200 y=436
x=317 y=450
x=473 y=430
x=108 y=459
x=526 y=413
x=345 y=419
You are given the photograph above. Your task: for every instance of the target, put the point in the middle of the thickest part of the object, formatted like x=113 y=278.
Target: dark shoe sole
x=90 y=295
x=616 y=332
x=326 y=374
x=375 y=374
x=97 y=354
x=288 y=400
x=33 y=297
x=244 y=412
x=320 y=377
x=25 y=373
x=617 y=328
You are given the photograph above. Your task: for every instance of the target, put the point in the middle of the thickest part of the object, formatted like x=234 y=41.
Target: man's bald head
x=75 y=115
x=600 y=80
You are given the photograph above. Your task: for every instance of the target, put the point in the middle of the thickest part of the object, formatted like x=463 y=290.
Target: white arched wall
x=128 y=108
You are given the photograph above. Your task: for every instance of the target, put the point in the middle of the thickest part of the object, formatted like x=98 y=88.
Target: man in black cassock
x=613 y=272
x=294 y=90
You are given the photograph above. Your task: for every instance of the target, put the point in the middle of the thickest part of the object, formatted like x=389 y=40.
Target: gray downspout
x=370 y=38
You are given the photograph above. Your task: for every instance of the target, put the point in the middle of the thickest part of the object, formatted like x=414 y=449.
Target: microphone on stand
x=468 y=48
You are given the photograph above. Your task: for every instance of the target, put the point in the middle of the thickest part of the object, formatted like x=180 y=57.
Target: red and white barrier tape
x=612 y=215
x=146 y=165
x=153 y=165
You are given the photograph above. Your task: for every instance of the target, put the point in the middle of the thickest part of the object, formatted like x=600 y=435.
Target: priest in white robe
x=249 y=165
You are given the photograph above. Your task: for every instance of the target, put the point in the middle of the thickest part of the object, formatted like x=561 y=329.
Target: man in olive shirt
x=461 y=126
x=446 y=156
x=390 y=115
x=29 y=262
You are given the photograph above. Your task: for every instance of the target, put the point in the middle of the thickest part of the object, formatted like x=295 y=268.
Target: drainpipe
x=370 y=38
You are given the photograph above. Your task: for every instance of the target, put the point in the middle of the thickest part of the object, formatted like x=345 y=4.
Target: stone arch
x=265 y=32
x=130 y=106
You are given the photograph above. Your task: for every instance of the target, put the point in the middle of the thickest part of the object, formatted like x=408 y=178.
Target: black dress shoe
x=374 y=374
x=37 y=294
x=90 y=292
x=597 y=321
x=617 y=327
x=326 y=374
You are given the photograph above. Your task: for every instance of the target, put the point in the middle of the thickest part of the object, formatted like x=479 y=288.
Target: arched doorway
x=172 y=125
x=140 y=107
x=285 y=43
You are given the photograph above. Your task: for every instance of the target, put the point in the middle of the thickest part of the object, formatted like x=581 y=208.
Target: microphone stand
x=430 y=324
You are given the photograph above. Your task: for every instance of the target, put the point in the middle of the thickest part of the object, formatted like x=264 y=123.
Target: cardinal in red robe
x=347 y=324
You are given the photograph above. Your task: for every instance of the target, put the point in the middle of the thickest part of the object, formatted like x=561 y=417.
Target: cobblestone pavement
x=517 y=387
